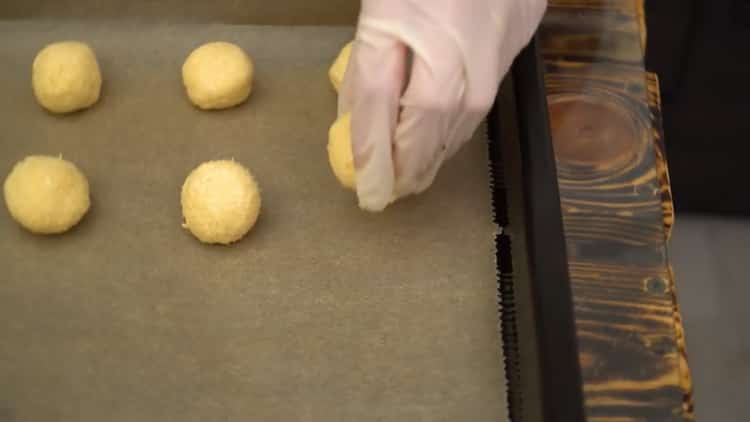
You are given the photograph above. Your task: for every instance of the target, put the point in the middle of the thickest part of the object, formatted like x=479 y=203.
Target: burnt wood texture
x=617 y=211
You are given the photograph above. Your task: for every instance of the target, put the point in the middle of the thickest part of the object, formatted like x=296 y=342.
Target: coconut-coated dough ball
x=65 y=77
x=217 y=75
x=338 y=69
x=46 y=195
x=220 y=202
x=340 y=151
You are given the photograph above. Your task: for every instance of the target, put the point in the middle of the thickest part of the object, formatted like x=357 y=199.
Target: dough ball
x=65 y=77
x=338 y=69
x=46 y=195
x=220 y=202
x=340 y=151
x=217 y=75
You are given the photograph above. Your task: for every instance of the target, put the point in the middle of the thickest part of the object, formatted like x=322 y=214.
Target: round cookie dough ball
x=338 y=69
x=217 y=75
x=340 y=151
x=65 y=77
x=46 y=195
x=220 y=202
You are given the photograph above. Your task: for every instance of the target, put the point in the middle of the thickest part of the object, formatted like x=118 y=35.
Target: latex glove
x=409 y=116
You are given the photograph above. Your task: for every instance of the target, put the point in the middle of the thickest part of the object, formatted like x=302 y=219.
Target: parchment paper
x=252 y=12
x=323 y=313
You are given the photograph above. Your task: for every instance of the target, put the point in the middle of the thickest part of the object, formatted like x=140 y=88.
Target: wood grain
x=654 y=103
x=617 y=211
x=591 y=30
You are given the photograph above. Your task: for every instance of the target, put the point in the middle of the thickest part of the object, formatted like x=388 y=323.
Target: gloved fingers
x=371 y=92
x=419 y=149
x=430 y=109
x=417 y=159
x=464 y=130
x=346 y=90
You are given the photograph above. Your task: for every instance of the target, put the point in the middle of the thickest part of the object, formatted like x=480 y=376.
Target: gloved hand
x=409 y=116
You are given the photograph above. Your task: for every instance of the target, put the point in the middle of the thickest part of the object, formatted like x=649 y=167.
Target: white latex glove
x=409 y=116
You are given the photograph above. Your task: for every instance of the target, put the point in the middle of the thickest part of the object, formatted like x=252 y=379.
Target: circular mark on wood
x=593 y=132
x=655 y=285
x=663 y=346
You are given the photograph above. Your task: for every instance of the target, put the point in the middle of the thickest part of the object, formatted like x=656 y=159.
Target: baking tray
x=323 y=313
x=539 y=337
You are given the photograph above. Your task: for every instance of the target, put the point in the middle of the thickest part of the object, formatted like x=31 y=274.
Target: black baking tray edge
x=537 y=317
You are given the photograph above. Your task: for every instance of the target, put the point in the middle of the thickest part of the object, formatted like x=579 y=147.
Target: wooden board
x=617 y=211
